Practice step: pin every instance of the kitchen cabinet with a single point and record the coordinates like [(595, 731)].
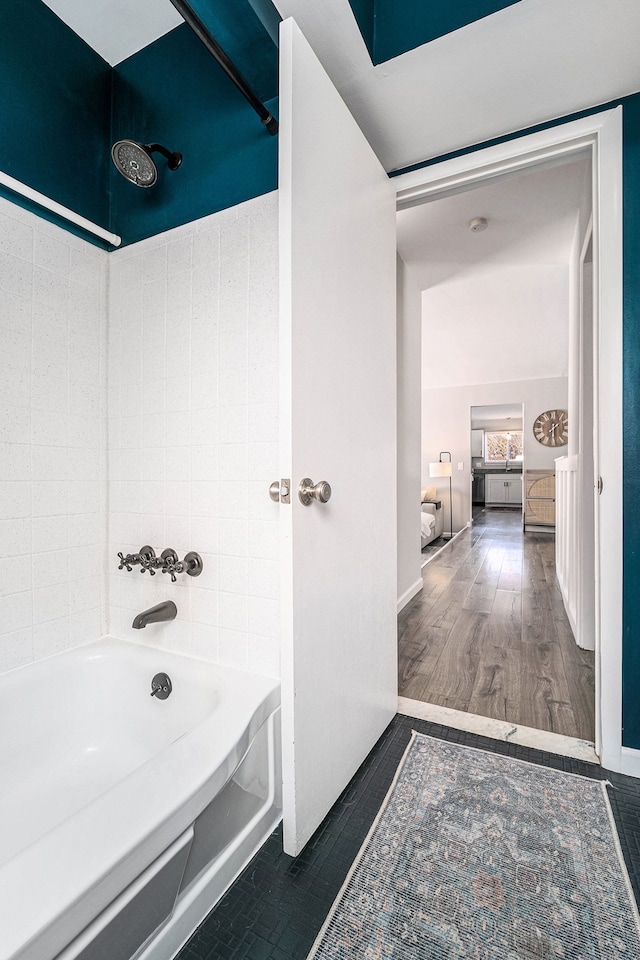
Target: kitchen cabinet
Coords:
[(503, 488), (477, 443)]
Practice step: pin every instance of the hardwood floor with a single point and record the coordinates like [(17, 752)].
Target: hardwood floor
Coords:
[(488, 633)]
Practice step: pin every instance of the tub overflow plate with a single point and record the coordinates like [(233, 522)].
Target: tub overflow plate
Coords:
[(161, 686)]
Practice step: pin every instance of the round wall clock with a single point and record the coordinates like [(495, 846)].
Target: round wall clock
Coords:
[(551, 428)]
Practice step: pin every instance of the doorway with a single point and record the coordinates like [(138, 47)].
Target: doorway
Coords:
[(552, 147), (497, 455)]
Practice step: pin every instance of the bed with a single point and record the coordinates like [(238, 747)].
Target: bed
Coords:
[(431, 523)]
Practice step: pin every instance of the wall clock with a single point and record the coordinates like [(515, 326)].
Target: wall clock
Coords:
[(551, 428)]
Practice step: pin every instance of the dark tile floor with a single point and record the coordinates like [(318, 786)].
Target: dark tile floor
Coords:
[(277, 906)]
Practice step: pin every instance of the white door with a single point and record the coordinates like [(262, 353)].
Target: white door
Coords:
[(338, 415)]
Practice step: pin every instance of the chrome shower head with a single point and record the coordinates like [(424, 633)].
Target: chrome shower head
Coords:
[(135, 163)]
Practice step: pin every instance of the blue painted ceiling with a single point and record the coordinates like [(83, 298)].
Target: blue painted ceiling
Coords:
[(392, 27)]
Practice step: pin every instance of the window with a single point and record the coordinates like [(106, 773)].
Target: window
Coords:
[(500, 447)]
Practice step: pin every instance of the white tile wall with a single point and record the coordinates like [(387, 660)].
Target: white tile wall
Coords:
[(193, 405), (52, 438)]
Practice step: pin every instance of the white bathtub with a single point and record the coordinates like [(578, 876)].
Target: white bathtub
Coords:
[(123, 818)]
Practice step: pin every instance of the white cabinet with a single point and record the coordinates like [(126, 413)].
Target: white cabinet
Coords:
[(503, 488)]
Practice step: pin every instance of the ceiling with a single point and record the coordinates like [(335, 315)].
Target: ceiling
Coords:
[(495, 412), (520, 66), (116, 29), (531, 220)]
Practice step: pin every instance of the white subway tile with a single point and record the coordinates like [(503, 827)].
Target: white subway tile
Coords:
[(15, 575), (233, 537), (152, 499), (264, 579), (260, 504), (204, 499), (204, 641), (84, 594), (84, 496), (15, 499), (179, 255), (233, 498), (49, 463), (233, 648), (204, 606), (263, 461), (50, 637), (232, 576), (263, 423), (50, 603), (16, 238), (154, 265), (204, 463), (84, 529), (204, 426), (264, 654), (233, 386), (51, 254), (52, 567), (16, 649), (233, 424), (15, 461), (233, 462), (15, 537), (49, 429), (15, 423), (265, 539), (49, 533), (16, 611), (264, 617)]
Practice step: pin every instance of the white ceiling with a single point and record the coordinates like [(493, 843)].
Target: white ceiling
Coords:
[(496, 411), (495, 304), (531, 220), (534, 60), (116, 29)]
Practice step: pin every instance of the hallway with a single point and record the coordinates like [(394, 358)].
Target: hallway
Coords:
[(488, 633)]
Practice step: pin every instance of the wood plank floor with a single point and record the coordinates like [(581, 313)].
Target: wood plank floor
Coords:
[(488, 633)]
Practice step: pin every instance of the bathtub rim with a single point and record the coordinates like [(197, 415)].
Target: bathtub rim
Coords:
[(54, 902)]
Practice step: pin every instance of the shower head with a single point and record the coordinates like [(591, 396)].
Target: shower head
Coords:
[(135, 163)]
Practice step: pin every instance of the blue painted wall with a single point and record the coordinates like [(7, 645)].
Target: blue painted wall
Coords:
[(392, 27), (54, 109), (62, 107), (630, 454), (173, 92)]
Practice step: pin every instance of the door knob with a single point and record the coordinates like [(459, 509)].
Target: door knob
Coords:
[(308, 491)]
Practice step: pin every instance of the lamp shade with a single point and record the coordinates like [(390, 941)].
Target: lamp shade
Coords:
[(441, 468)]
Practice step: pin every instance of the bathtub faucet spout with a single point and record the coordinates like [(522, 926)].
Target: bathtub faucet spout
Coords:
[(166, 610)]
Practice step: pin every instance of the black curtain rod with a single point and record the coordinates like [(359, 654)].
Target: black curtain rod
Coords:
[(227, 65)]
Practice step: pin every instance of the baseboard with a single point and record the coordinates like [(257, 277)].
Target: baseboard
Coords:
[(409, 594), (630, 761)]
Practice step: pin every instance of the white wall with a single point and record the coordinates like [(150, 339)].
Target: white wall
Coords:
[(445, 426), (491, 323), (52, 438), (193, 402), (409, 433)]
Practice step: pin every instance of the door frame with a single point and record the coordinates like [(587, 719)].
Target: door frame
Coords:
[(598, 136)]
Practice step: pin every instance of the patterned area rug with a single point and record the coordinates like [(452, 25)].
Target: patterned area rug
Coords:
[(479, 856)]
